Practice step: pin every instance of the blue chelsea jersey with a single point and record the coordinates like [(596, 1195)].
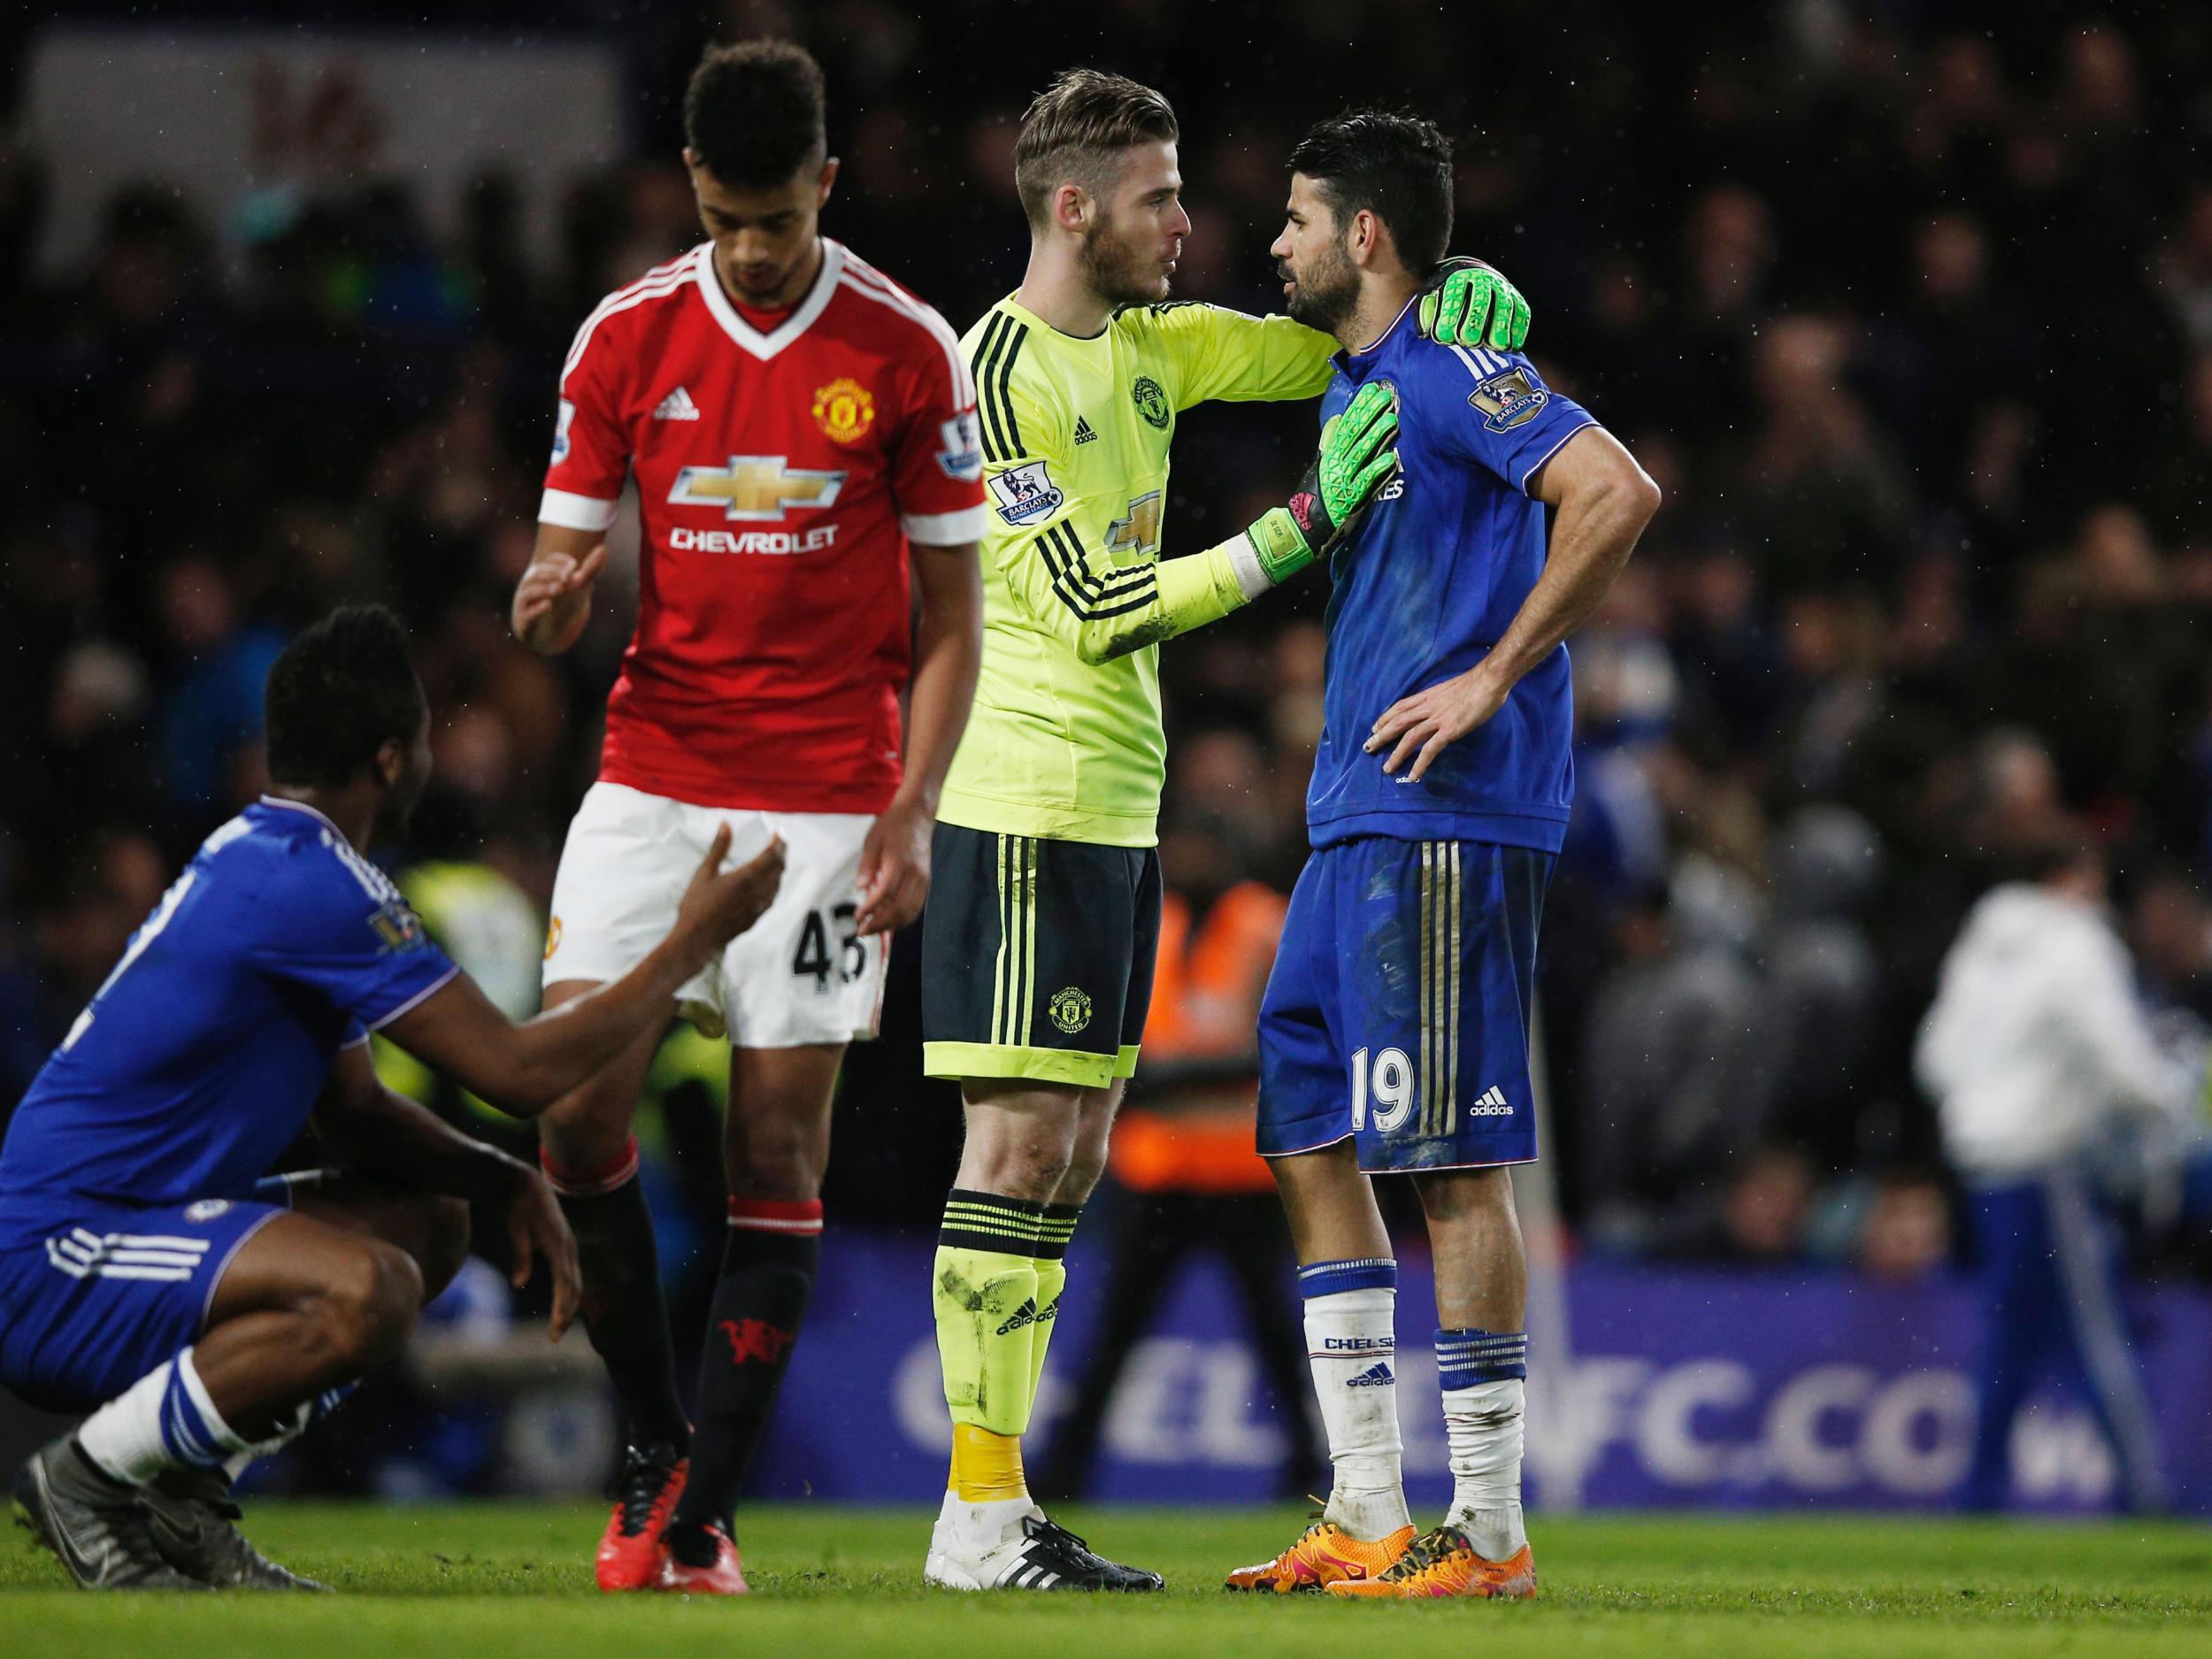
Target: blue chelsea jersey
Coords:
[(202, 1056), (1426, 586)]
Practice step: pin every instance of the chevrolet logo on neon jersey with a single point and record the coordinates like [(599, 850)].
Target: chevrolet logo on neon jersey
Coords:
[(757, 487)]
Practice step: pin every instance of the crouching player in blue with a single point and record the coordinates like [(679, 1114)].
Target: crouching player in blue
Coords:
[(1393, 1036), (148, 1272)]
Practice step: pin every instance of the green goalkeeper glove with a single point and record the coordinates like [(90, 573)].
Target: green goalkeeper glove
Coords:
[(1357, 457), (1469, 303)]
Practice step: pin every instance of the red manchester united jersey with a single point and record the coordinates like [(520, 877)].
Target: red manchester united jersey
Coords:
[(780, 479)]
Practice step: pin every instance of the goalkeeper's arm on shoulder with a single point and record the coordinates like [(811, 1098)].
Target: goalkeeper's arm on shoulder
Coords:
[(1101, 611), (1105, 612)]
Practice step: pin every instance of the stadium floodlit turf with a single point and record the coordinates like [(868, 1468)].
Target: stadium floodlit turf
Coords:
[(516, 1580)]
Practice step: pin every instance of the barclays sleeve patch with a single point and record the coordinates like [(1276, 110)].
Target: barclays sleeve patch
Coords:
[(960, 447), (1025, 494), (398, 927), (1508, 400)]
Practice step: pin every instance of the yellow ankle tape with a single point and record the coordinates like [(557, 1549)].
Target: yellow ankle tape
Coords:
[(986, 1466)]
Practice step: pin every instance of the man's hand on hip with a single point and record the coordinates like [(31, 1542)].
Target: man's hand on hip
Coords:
[(1430, 721)]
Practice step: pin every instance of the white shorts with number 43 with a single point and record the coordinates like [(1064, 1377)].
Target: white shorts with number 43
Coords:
[(798, 975)]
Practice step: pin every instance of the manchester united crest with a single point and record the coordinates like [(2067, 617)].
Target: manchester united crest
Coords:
[(1151, 401), (844, 409)]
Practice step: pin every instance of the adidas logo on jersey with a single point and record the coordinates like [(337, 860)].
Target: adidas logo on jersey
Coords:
[(1492, 1104), (1027, 1314), (677, 406), (1083, 432), (1376, 1376)]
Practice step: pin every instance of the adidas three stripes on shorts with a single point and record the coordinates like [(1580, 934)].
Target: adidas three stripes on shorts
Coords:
[(1397, 1013), (1037, 956), (95, 1294)]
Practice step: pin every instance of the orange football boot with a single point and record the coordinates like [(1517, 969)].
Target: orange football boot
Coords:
[(630, 1549), (1324, 1554), (725, 1575), (1444, 1563)]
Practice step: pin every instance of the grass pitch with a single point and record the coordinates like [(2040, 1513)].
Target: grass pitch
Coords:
[(516, 1580)]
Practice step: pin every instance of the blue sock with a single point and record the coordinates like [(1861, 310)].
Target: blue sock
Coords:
[(1465, 1358)]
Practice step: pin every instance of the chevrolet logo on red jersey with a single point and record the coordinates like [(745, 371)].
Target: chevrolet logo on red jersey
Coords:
[(757, 487)]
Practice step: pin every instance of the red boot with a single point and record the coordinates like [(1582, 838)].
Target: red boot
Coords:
[(724, 1576), (630, 1549)]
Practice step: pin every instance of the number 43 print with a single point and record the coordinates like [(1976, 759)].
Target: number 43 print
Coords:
[(813, 954)]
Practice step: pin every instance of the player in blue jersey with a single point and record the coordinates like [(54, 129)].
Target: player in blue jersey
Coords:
[(1393, 1036), (148, 1270)]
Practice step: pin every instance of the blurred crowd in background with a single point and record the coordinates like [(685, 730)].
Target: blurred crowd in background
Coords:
[(1911, 319)]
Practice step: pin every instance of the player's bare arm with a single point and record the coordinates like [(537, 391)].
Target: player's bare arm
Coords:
[(947, 652), (522, 1068), (376, 1132), (1603, 500), (552, 602)]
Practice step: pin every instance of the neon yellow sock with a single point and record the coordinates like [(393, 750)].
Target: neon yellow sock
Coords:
[(1052, 1278), (984, 1295), (1055, 1229)]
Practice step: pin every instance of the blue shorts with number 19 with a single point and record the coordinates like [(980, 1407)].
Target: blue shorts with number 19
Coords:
[(1397, 1014)]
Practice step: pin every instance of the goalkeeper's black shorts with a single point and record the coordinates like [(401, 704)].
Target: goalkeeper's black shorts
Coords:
[(1037, 956)]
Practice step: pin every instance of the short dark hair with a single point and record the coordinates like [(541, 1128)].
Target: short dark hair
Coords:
[(336, 695), (1073, 130), (753, 113), (1393, 163)]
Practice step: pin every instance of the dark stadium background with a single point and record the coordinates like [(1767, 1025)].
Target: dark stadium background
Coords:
[(1908, 309)]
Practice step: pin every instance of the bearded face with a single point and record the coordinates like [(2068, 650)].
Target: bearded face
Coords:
[(1129, 248), (1322, 290), (1123, 263)]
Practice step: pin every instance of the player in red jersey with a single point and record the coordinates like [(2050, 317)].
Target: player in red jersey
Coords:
[(801, 432)]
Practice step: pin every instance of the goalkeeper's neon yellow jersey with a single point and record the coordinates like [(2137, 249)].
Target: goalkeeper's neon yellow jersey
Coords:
[(1065, 740)]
